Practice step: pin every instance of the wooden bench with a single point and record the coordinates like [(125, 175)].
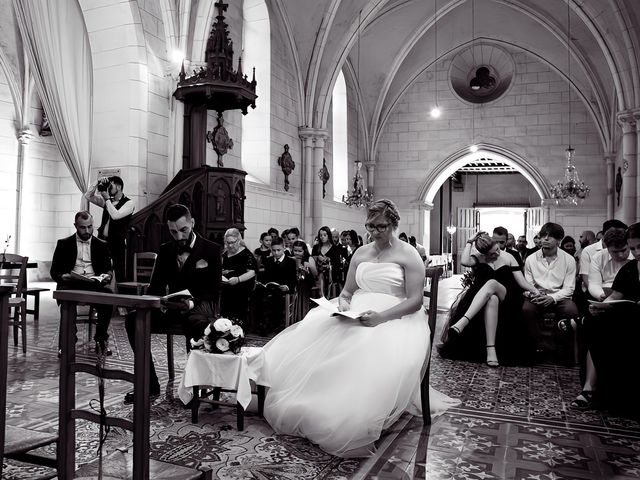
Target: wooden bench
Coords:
[(35, 292)]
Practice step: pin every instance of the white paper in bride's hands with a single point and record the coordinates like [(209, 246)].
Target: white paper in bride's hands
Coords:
[(333, 308)]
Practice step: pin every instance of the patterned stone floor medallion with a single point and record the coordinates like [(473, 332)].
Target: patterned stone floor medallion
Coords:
[(513, 423)]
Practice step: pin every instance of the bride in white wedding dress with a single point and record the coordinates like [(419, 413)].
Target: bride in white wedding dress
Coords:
[(340, 382)]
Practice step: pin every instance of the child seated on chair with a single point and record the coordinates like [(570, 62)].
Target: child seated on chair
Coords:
[(278, 279)]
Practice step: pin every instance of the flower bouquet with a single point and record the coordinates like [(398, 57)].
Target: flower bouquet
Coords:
[(467, 279), (222, 335)]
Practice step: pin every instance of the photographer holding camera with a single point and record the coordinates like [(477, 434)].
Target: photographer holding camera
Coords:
[(107, 193)]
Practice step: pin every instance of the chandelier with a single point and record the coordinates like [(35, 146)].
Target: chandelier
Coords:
[(572, 190), (359, 196)]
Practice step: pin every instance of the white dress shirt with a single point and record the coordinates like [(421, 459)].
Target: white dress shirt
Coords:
[(83, 265), (557, 278), (603, 271), (587, 254)]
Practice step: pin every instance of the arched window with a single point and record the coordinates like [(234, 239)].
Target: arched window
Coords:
[(256, 125), (339, 135)]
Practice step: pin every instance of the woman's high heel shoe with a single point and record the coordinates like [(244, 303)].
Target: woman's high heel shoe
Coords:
[(455, 330), (491, 362)]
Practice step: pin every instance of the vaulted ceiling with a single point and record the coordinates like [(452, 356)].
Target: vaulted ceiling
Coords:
[(383, 45)]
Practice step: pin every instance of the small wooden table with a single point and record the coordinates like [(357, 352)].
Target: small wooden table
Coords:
[(223, 373)]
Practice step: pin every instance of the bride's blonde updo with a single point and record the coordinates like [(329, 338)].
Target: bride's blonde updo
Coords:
[(385, 208)]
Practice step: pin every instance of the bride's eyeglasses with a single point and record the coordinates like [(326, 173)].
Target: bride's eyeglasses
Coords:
[(380, 227)]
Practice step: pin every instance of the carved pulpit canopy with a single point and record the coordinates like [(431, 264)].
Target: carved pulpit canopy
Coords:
[(218, 86)]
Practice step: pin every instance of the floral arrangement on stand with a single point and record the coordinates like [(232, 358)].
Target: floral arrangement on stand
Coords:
[(222, 335)]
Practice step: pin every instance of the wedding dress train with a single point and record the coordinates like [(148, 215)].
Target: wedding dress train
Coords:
[(339, 383)]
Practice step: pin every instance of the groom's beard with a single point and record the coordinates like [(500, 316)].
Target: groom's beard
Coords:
[(184, 245)]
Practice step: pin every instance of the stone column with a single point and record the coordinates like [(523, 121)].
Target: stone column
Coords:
[(24, 136), (636, 117), (313, 141), (609, 160), (370, 166), (424, 225), (629, 166)]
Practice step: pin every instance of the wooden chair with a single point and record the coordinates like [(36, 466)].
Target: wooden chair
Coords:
[(16, 443), (15, 275), (431, 292), (143, 264)]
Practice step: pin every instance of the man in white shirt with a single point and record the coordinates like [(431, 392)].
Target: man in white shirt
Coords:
[(117, 210), (589, 251), (606, 263), (553, 272)]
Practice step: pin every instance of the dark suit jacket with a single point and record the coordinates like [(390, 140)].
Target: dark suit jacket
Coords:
[(64, 257), (283, 272), (202, 282), (517, 256)]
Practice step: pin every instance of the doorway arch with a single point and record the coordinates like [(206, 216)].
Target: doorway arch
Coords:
[(438, 175)]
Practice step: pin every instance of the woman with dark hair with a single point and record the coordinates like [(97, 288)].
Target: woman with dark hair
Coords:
[(496, 291), (328, 259), (568, 244), (339, 381), (307, 274), (613, 332)]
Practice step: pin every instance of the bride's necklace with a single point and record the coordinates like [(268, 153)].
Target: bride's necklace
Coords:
[(380, 251)]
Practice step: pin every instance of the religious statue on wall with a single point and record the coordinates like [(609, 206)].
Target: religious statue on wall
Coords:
[(287, 165), (324, 176), (618, 184), (219, 138)]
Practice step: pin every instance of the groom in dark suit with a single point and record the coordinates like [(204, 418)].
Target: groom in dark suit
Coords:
[(188, 262), (83, 255)]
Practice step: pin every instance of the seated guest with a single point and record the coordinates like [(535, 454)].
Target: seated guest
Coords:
[(553, 272), (568, 244), (492, 300), (511, 241), (599, 235), (536, 245), (307, 275), (273, 232), (521, 249), (605, 265), (264, 250), (75, 260), (421, 250), (586, 238), (187, 262), (501, 236), (239, 270), (278, 278), (613, 332), (328, 259), (590, 251)]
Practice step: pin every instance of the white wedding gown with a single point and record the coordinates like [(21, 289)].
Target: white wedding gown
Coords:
[(339, 383)]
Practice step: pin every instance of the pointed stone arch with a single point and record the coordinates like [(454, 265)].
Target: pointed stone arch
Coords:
[(457, 159)]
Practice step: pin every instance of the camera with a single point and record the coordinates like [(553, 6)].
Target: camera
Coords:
[(103, 184)]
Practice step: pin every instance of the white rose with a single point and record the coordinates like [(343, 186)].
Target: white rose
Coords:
[(207, 331), (222, 345), (236, 331), (196, 344), (222, 324)]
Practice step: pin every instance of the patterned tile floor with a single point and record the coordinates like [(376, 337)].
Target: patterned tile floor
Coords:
[(513, 423)]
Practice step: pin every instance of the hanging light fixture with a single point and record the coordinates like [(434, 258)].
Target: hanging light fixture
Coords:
[(435, 111), (473, 148), (359, 196), (572, 191)]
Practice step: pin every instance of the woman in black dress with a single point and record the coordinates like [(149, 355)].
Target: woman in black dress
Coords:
[(239, 272), (496, 290), (328, 259)]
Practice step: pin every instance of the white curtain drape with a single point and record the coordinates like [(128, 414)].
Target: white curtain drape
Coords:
[(56, 42)]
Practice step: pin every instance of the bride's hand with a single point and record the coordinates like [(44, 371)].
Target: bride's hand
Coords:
[(371, 318), (343, 304)]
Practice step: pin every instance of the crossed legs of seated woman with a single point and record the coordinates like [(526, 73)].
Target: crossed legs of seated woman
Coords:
[(584, 400), (488, 298)]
